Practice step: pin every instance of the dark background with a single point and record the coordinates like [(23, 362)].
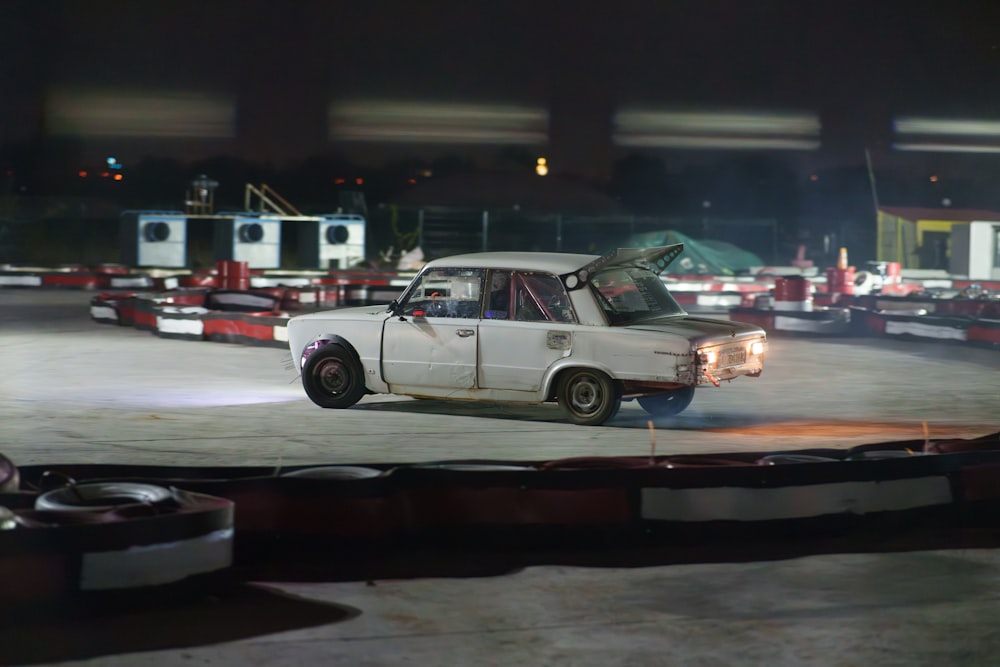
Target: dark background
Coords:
[(856, 65)]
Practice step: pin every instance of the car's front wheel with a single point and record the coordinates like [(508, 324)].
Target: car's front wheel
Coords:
[(588, 397), (333, 378), (669, 403)]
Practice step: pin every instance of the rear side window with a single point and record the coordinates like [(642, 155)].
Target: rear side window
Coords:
[(632, 294), (528, 297)]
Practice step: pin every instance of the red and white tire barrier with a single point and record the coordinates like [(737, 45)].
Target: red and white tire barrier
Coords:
[(820, 320), (101, 538), (679, 499), (181, 322)]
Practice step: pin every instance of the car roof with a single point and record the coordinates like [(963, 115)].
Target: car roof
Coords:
[(551, 262)]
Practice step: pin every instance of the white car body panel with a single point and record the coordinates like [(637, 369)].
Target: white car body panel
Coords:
[(516, 355), (429, 352)]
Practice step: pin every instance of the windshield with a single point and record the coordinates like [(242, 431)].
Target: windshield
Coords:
[(633, 294)]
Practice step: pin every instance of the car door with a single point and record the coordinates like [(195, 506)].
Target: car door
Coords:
[(433, 343), (528, 327)]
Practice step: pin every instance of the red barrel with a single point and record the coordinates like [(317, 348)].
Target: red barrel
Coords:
[(239, 275), (222, 274), (840, 281), (792, 293), (233, 275)]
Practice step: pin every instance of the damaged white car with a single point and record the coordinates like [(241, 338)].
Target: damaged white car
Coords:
[(585, 331)]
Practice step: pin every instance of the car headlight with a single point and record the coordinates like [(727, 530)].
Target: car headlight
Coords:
[(757, 347), (708, 357)]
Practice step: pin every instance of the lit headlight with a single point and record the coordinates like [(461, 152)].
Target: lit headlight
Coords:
[(757, 347), (708, 356)]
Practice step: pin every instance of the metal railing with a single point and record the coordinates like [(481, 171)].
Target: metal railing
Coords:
[(268, 197)]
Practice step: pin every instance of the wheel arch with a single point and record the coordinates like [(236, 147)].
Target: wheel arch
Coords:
[(328, 339), (551, 381)]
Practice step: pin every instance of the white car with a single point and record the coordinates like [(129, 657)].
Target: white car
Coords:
[(583, 330)]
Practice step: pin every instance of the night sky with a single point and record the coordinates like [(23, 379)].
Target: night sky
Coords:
[(856, 64)]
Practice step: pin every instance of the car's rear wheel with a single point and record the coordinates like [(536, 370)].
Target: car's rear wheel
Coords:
[(333, 378), (588, 397), (669, 403)]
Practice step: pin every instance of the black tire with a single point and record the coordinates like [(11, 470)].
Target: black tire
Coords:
[(667, 404), (333, 378), (9, 477), (588, 397), (104, 496)]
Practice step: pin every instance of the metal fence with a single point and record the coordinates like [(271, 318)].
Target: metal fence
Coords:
[(441, 231)]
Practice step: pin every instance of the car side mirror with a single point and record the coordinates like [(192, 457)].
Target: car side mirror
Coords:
[(396, 309)]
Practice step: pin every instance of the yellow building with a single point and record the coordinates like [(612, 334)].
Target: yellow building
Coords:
[(920, 238)]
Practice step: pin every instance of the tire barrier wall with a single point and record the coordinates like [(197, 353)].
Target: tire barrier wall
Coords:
[(579, 503), (960, 318), (98, 541), (260, 316), (117, 276), (748, 300), (105, 531)]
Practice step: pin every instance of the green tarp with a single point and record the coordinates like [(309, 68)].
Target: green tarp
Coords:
[(699, 257)]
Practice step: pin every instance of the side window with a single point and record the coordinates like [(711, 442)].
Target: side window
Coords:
[(540, 297), (445, 292)]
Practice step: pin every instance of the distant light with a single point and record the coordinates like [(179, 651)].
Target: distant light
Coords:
[(716, 143), (813, 177), (933, 178), (359, 181), (427, 173), (541, 166), (946, 148), (946, 135), (713, 130), (82, 173), (105, 174), (947, 126), (436, 123), (946, 202), (111, 161), (411, 181), (118, 177), (139, 113), (339, 181)]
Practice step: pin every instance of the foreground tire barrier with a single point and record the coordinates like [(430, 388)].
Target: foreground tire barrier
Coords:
[(105, 496), (10, 480), (97, 542), (820, 499)]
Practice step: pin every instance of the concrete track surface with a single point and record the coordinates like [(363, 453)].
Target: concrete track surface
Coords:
[(74, 391)]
